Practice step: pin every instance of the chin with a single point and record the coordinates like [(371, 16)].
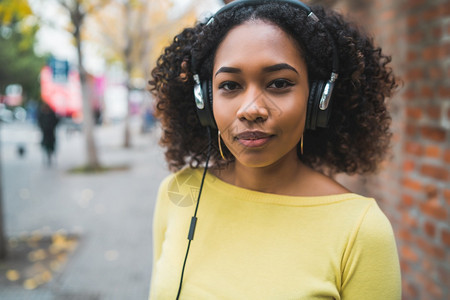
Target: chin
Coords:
[(255, 162)]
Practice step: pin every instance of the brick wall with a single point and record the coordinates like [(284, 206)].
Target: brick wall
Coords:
[(413, 187)]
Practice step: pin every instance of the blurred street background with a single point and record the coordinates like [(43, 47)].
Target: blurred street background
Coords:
[(80, 163), (108, 214)]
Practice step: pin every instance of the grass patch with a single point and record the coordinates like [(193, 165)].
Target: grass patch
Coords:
[(97, 170)]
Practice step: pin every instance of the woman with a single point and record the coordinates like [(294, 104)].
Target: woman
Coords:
[(296, 96)]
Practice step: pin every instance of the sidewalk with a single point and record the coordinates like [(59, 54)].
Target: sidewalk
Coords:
[(109, 213)]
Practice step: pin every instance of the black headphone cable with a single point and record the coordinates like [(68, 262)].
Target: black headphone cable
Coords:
[(194, 217)]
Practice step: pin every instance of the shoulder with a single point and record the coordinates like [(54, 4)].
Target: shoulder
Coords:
[(314, 183), (375, 226), (180, 187), (372, 232), (183, 176)]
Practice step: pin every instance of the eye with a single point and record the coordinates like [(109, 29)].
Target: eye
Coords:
[(229, 86), (280, 84)]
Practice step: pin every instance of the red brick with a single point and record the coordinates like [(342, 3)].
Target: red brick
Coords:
[(437, 32), (444, 92), (443, 275), (415, 74), (432, 14), (420, 279), (411, 130), (445, 51), (414, 148), (427, 265), (430, 249), (429, 287), (411, 56), (412, 21), (445, 234), (412, 184), (433, 209), (415, 37), (410, 93), (409, 290), (410, 4), (435, 172), (433, 133), (413, 113), (433, 151), (434, 112), (426, 92), (407, 200), (431, 191), (408, 165), (431, 53), (447, 196), (410, 222), (409, 254), (430, 229), (435, 73), (434, 289), (406, 235), (445, 10), (447, 156), (387, 15)]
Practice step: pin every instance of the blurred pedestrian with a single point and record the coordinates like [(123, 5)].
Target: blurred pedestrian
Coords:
[(47, 121)]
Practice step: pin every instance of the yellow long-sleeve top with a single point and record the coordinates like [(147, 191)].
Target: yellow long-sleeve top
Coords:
[(253, 245)]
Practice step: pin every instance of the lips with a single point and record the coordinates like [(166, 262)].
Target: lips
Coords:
[(253, 138)]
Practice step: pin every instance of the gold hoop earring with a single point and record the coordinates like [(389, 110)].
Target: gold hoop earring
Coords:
[(301, 145), (220, 146)]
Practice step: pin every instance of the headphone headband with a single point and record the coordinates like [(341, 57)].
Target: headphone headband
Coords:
[(296, 3), (259, 2)]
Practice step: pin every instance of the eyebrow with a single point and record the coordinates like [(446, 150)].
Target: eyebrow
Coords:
[(279, 67), (228, 70), (274, 68)]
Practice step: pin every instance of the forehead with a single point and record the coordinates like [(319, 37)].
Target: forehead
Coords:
[(257, 39)]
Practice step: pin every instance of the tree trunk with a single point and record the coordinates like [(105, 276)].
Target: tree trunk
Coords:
[(88, 115), (127, 134), (3, 242), (128, 68)]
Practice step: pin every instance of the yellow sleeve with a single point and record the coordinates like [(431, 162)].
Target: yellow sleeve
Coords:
[(159, 224), (371, 268)]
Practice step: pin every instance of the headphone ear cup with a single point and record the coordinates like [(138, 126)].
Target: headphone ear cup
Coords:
[(208, 93), (313, 104), (207, 114), (315, 117)]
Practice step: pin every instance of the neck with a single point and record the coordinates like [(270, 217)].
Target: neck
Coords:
[(276, 178)]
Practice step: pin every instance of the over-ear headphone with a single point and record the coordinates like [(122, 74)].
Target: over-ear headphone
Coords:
[(318, 108)]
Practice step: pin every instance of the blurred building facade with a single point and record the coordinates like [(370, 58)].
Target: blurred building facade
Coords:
[(413, 187)]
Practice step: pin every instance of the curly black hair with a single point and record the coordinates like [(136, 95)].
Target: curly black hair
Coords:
[(358, 134)]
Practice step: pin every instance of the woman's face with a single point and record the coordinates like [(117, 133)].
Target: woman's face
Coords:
[(260, 92)]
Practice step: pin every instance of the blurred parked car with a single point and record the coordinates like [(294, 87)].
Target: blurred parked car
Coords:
[(20, 113), (6, 115)]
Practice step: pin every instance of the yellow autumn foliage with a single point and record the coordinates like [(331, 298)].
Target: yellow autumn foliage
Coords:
[(13, 9)]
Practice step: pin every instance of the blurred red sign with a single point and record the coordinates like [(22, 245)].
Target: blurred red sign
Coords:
[(64, 98)]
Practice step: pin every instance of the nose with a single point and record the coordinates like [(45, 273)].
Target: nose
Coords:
[(253, 108)]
